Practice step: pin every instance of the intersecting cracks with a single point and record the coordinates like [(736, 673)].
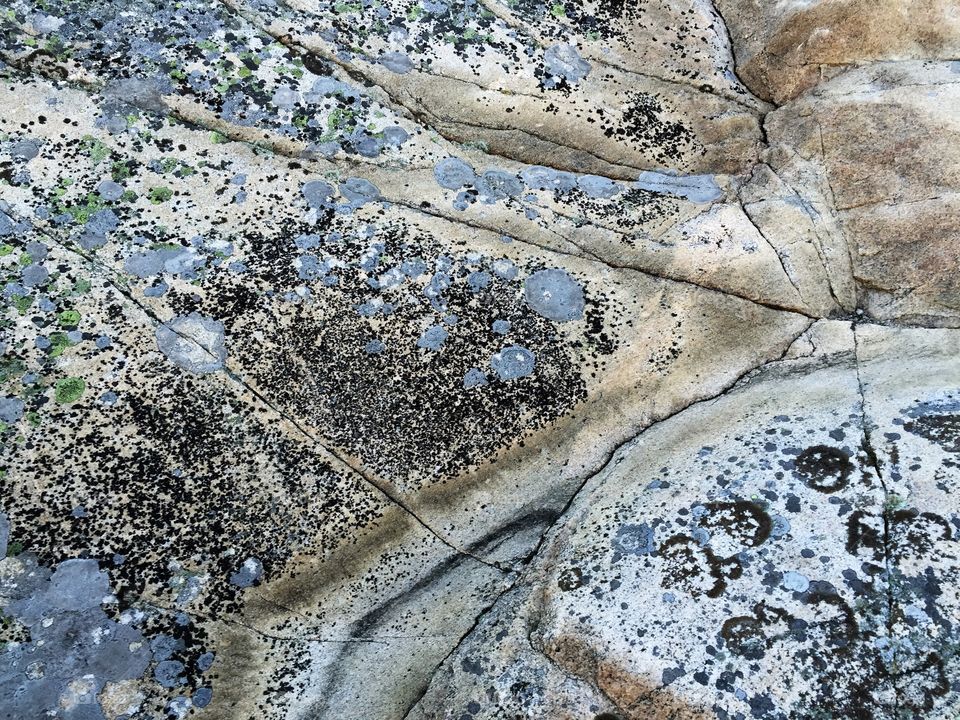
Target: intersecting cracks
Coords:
[(615, 162), (581, 252), (593, 682), (584, 254), (780, 256), (436, 121), (403, 100), (410, 107), (724, 32), (816, 219), (818, 245), (473, 626)]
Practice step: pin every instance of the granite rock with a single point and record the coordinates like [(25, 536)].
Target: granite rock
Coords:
[(478, 359)]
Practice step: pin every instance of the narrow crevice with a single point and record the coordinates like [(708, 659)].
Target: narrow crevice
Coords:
[(280, 145), (775, 249), (431, 122), (735, 64), (302, 639), (594, 683), (428, 681), (420, 114), (583, 254), (891, 202), (633, 169), (816, 220), (612, 454), (889, 557), (519, 24)]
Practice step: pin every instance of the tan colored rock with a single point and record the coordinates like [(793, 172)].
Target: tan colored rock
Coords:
[(353, 579), (493, 83), (121, 699), (801, 226), (784, 48), (282, 319), (862, 144), (439, 359)]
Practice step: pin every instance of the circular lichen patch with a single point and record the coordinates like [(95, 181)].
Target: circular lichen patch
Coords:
[(69, 318), (69, 389)]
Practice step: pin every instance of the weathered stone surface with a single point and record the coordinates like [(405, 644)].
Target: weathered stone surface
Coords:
[(715, 575), (483, 72), (303, 291), (857, 144), (786, 47), (476, 359)]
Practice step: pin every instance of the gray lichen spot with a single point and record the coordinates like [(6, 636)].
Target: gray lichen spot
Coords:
[(504, 268), (563, 61), (6, 225), (317, 193), (478, 280), (194, 342), (795, 581), (24, 150), (153, 262), (11, 409), (36, 250), (249, 572), (169, 673), (202, 697), (554, 294), (285, 97), (635, 540), (433, 337), (498, 185), (374, 347), (453, 173), (474, 377), (34, 276), (538, 177), (205, 661), (695, 188), (358, 191), (395, 136), (514, 361), (74, 647), (109, 190), (597, 186), (139, 93), (397, 62), (4, 533)]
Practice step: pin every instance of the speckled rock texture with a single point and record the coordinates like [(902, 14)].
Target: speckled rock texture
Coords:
[(463, 359)]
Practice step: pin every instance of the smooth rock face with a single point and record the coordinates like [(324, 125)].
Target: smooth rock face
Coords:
[(479, 360)]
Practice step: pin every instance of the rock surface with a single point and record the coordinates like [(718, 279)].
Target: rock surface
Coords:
[(413, 359)]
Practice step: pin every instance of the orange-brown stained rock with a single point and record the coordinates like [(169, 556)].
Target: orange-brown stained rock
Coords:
[(784, 48)]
